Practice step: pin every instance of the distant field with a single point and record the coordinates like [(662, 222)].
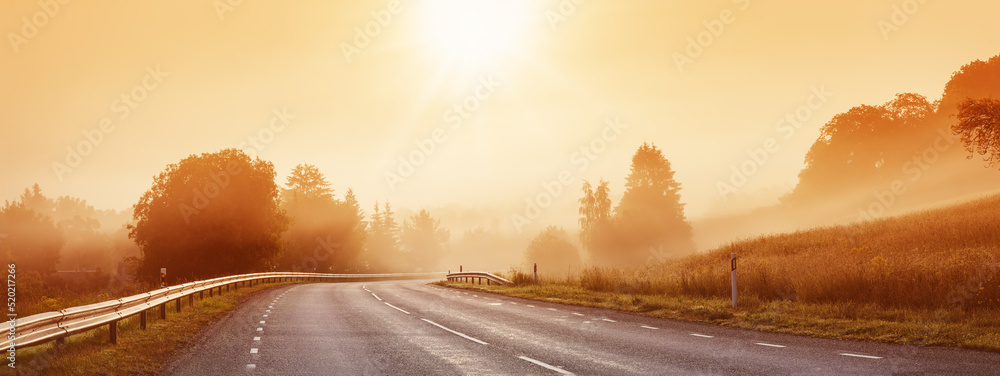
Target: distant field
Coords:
[(931, 277)]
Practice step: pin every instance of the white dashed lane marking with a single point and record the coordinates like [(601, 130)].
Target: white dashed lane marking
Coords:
[(861, 356), (701, 335), (768, 344), (548, 366), (456, 333), (397, 308)]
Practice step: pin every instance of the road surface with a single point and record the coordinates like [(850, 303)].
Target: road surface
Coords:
[(412, 328)]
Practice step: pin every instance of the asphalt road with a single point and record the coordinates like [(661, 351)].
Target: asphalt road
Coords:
[(411, 328)]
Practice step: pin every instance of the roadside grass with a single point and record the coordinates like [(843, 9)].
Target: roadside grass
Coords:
[(979, 329), (930, 277), (137, 352)]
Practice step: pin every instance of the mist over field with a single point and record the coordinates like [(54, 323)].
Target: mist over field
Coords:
[(403, 136)]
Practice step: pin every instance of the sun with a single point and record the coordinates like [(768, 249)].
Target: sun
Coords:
[(475, 31)]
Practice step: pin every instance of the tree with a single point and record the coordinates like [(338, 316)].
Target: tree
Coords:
[(382, 251), (355, 229), (977, 79), (979, 128), (424, 241), (650, 216), (865, 146), (596, 222), (319, 224), (209, 215), (34, 200), (553, 251), (29, 239), (306, 185)]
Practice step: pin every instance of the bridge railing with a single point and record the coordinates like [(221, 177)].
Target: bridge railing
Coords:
[(480, 277), (44, 327)]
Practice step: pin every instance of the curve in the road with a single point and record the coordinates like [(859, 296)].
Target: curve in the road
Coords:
[(408, 327)]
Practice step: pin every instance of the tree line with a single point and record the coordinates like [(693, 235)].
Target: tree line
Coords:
[(223, 213)]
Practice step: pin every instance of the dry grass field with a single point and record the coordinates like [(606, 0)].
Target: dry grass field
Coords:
[(931, 277)]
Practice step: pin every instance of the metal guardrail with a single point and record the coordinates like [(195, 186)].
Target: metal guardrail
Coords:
[(480, 276), (45, 327)]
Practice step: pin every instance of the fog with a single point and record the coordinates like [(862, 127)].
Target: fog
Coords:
[(494, 126)]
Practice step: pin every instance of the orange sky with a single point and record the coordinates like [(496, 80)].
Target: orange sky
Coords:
[(554, 77)]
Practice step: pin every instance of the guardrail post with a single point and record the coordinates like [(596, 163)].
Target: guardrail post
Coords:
[(191, 300), (142, 320), (113, 330), (201, 295), (178, 301), (210, 292), (163, 311)]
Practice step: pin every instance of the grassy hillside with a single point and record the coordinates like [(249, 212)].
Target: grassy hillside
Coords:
[(931, 259), (931, 277)]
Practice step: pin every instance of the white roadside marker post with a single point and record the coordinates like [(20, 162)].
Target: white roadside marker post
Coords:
[(732, 258)]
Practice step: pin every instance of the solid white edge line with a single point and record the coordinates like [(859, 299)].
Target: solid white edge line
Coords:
[(542, 364), (861, 356), (768, 344), (376, 297), (701, 335), (399, 309), (648, 327), (455, 333)]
